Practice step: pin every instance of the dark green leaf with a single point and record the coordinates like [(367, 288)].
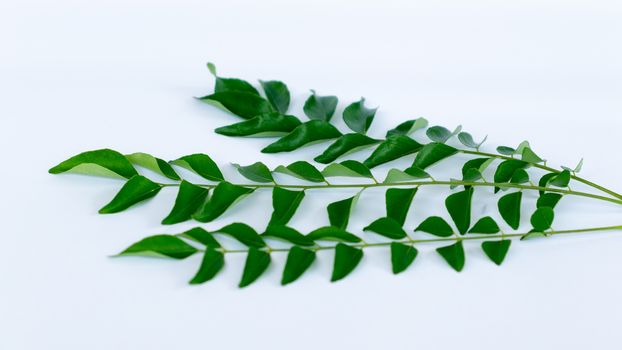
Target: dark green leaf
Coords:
[(548, 200), (277, 94), (392, 148), (244, 234), (350, 168), (408, 127), (257, 172), (212, 263), (161, 246), (302, 170), (102, 162), (331, 233), (467, 139), (288, 234), (398, 202), (257, 261), (441, 134), (454, 255), (202, 165), (485, 225), (435, 225), (506, 169), (357, 117), (154, 164), (432, 153), (505, 150), (189, 199), (387, 227), (284, 202), (528, 155), (230, 84), (409, 174), (339, 212), (344, 145), (561, 180), (135, 190), (298, 261), (270, 124), (198, 234), (225, 194), (544, 181), (496, 250), (459, 207), (472, 170), (243, 104), (520, 176), (311, 131), (346, 260), (542, 219), (402, 256), (320, 107), (509, 208)]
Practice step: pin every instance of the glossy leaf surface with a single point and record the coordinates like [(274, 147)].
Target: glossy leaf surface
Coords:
[(346, 260), (102, 162), (224, 195), (311, 131), (135, 190), (344, 145), (189, 199)]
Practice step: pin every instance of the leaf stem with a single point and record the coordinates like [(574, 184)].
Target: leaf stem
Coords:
[(426, 183)]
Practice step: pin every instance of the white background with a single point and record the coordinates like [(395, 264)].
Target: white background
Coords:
[(80, 75)]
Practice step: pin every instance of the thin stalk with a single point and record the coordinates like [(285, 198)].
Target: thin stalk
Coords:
[(549, 169), (446, 239), (425, 183)]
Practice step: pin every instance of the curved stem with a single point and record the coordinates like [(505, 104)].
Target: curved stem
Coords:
[(426, 183), (549, 169), (449, 239)]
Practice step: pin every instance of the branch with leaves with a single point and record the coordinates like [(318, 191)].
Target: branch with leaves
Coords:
[(509, 174)]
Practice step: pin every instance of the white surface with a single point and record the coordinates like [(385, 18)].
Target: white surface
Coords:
[(121, 74)]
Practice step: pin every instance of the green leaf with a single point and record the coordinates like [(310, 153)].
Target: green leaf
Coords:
[(496, 250), (357, 117), (244, 234), (467, 139), (506, 170), (441, 134), (398, 201), (350, 168), (277, 94), (287, 234), (202, 165), (212, 263), (409, 174), (576, 169), (392, 148), (408, 127), (163, 246), (509, 208), (521, 147), (454, 255), (472, 170), (532, 235), (269, 124), (459, 207), (346, 260), (331, 233), (135, 190), (298, 261), (189, 199), (485, 225), (520, 176), (199, 234), (544, 180), (320, 107), (542, 219), (311, 131), (548, 200), (435, 225), (302, 170), (225, 194), (154, 164), (257, 172), (505, 150), (102, 162), (345, 144), (432, 153), (387, 227), (528, 155), (284, 202), (257, 261), (245, 105), (339, 212), (402, 256), (230, 84), (561, 180)]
